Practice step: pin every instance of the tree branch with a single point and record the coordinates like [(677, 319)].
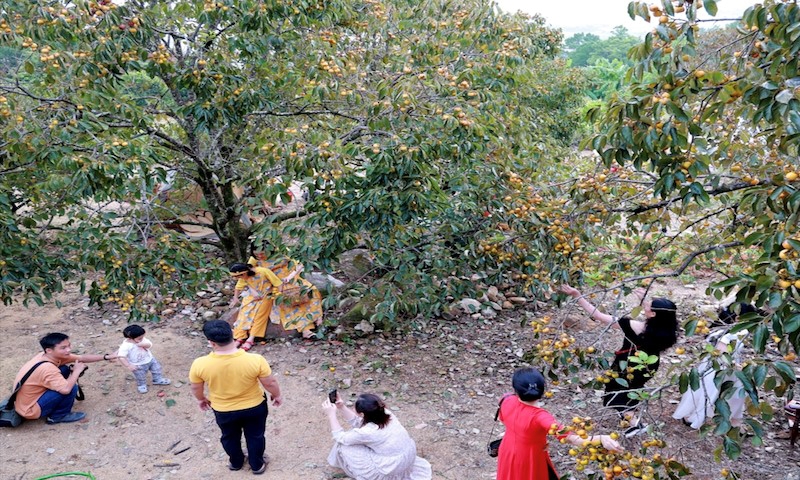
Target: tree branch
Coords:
[(731, 187), (303, 111), (686, 262)]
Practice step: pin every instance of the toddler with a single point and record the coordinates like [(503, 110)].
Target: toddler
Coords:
[(135, 354)]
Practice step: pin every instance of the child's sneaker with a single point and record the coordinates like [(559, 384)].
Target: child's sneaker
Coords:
[(142, 388), (161, 381)]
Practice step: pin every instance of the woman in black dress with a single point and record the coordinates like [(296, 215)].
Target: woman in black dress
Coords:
[(658, 332)]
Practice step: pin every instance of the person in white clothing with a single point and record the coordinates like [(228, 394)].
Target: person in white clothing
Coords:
[(698, 405), (377, 447), (135, 355)]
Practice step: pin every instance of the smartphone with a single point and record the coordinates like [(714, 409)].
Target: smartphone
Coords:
[(333, 395)]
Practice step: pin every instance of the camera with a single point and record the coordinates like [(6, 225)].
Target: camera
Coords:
[(333, 395), (72, 367)]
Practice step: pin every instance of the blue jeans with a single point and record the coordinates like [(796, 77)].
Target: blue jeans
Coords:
[(55, 405), (250, 421)]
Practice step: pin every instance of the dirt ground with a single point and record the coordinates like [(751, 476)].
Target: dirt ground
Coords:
[(442, 382)]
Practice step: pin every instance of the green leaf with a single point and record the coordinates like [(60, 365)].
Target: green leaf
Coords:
[(694, 379), (169, 402), (786, 372), (711, 7), (791, 324), (731, 448)]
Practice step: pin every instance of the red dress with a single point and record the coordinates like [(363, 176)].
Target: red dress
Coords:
[(523, 451)]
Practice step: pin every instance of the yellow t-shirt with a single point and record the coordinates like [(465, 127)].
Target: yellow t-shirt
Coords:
[(232, 379)]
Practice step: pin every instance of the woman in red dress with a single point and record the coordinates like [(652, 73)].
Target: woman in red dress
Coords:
[(523, 452)]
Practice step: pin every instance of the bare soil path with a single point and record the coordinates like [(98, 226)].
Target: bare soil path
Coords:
[(443, 383)]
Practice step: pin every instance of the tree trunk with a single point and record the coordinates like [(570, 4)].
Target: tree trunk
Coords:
[(234, 237)]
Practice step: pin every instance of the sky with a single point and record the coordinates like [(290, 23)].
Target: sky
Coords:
[(601, 16)]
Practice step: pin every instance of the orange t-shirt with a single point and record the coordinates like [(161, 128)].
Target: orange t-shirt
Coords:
[(46, 377)]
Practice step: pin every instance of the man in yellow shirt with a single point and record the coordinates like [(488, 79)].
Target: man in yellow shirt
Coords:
[(235, 379)]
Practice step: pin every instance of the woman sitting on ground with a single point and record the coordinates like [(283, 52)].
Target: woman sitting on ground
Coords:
[(377, 447), (658, 332)]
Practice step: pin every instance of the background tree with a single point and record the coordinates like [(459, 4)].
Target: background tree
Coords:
[(701, 155), (407, 122), (584, 49)]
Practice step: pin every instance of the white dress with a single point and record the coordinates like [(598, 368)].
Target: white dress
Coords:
[(698, 405), (372, 453)]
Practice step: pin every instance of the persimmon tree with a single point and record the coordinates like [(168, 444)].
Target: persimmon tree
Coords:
[(697, 164), (408, 124)]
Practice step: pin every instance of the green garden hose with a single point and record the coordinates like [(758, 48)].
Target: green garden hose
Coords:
[(68, 474)]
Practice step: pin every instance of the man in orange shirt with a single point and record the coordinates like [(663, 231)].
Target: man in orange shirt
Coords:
[(51, 389)]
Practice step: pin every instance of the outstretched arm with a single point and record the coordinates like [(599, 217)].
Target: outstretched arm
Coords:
[(605, 440), (590, 309)]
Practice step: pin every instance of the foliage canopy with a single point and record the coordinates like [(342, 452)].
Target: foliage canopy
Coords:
[(405, 122)]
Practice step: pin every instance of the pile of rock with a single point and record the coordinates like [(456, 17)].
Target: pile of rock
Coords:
[(491, 302)]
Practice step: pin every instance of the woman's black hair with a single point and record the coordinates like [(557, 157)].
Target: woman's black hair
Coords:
[(662, 329), (528, 384), (242, 267), (729, 314), (373, 409)]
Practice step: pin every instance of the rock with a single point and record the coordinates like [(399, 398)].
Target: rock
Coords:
[(362, 310), (323, 282), (518, 300), (355, 263), (348, 303), (495, 306), (187, 311), (708, 310), (168, 311), (508, 305), (365, 327), (488, 313), (470, 305), (202, 294), (209, 315), (51, 450), (493, 293)]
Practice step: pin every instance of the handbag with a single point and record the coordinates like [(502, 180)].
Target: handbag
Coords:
[(8, 415), (493, 447)]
